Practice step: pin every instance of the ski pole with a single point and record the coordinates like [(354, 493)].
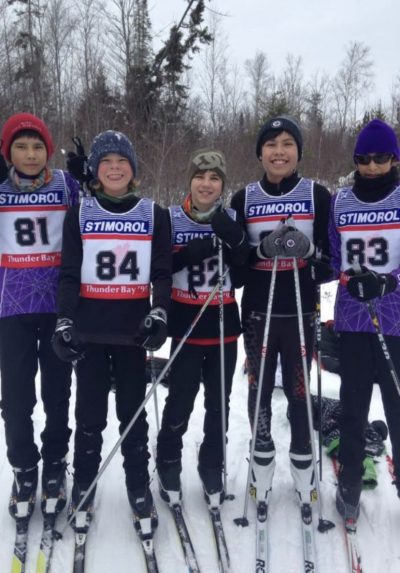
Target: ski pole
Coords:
[(59, 534), (243, 521), (324, 524), (318, 338), (319, 377), (222, 359), (378, 330), (153, 380)]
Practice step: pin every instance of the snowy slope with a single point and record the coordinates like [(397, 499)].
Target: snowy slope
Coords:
[(113, 546)]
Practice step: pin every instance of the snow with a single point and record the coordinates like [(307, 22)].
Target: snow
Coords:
[(112, 543)]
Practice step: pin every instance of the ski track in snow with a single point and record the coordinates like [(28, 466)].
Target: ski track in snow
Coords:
[(113, 546)]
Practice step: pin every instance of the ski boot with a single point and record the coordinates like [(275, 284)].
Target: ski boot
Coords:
[(262, 473), (54, 493), (212, 485), (301, 468), (348, 496), (170, 482), (23, 493), (83, 517), (144, 511)]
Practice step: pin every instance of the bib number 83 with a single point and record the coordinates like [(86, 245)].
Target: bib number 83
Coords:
[(356, 251)]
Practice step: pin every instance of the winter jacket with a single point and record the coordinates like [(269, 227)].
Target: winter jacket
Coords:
[(113, 320), (30, 243), (257, 282), (371, 211)]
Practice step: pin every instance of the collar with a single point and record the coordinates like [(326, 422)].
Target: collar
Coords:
[(373, 190), (281, 188), (200, 216)]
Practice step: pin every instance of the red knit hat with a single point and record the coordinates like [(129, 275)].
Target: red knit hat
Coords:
[(20, 122)]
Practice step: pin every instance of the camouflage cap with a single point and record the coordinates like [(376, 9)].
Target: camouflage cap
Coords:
[(207, 159)]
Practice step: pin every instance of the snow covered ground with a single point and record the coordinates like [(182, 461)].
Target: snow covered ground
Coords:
[(113, 547)]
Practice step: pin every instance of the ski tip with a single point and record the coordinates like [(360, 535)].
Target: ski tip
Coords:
[(16, 565), (325, 525), (241, 521), (41, 565)]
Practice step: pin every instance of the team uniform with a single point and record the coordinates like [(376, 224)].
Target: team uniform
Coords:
[(365, 225), (112, 252), (199, 358), (260, 207), (30, 243)]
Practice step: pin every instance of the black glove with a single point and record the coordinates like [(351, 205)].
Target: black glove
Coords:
[(199, 249), (296, 244), (3, 169), (154, 329), (65, 341), (368, 284), (228, 230), (321, 270), (271, 245), (77, 163)]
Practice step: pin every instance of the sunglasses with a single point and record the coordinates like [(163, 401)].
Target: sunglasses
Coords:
[(378, 158)]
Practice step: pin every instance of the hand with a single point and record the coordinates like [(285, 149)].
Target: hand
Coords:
[(65, 341), (321, 271), (77, 167), (296, 244), (77, 163), (368, 284), (3, 169), (199, 249), (154, 329), (228, 230), (271, 245)]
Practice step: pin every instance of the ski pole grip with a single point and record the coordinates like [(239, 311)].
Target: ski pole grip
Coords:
[(356, 266)]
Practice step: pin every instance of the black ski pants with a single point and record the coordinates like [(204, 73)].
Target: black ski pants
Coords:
[(102, 366), (193, 365), (25, 345), (362, 363), (283, 340)]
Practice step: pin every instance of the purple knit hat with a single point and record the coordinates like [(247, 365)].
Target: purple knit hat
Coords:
[(377, 137)]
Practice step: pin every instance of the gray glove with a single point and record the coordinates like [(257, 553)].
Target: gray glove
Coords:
[(272, 244), (296, 244)]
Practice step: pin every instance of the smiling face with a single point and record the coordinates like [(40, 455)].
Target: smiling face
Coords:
[(279, 157), (115, 173), (28, 155), (205, 188)]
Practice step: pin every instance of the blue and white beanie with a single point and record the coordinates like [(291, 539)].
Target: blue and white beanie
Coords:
[(111, 142)]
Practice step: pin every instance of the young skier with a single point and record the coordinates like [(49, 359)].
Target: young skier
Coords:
[(33, 203), (195, 268), (261, 206), (364, 232), (115, 245)]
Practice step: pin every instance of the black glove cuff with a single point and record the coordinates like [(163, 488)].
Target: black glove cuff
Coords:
[(159, 313)]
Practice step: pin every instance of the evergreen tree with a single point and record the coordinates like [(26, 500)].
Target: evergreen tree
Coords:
[(30, 62)]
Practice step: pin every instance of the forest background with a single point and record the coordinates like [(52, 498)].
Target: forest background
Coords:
[(92, 65)]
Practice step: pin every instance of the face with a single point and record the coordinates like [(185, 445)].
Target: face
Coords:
[(115, 173), (205, 188), (28, 155), (373, 170), (279, 157)]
